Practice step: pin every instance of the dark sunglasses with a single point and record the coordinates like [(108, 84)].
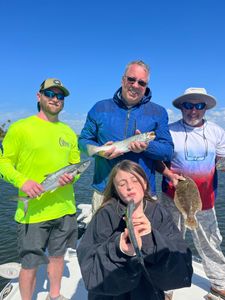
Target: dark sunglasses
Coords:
[(133, 80), (51, 94), (198, 106)]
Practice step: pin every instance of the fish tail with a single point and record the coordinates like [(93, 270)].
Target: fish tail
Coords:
[(91, 149), (191, 223), (25, 201), (25, 207)]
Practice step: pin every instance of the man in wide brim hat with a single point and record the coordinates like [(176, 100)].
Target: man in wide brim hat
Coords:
[(198, 94), (198, 143)]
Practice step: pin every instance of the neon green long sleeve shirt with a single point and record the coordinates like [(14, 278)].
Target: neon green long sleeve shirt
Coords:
[(32, 149)]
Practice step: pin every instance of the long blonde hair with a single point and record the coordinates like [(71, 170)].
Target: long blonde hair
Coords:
[(132, 168)]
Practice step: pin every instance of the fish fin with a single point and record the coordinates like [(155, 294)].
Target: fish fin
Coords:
[(25, 200), (101, 153), (46, 175), (25, 207), (191, 223)]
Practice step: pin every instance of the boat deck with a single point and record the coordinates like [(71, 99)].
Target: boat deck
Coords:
[(73, 285)]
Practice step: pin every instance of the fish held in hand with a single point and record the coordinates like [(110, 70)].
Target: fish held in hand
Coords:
[(123, 145), (130, 226), (51, 182), (188, 201)]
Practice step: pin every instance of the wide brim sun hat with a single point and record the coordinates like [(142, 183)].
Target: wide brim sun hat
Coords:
[(195, 94)]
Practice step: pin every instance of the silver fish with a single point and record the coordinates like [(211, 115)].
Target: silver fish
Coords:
[(220, 164), (132, 237), (123, 146), (188, 201), (130, 227), (51, 182)]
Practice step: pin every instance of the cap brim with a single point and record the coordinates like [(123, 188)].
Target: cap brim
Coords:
[(210, 101), (65, 91)]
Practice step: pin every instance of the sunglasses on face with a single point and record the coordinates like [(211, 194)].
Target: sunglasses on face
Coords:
[(50, 94), (189, 106), (133, 80)]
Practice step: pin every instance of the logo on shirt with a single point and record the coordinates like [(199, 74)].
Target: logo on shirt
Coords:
[(63, 143)]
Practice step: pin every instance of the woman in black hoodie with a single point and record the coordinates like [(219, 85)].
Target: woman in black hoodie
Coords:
[(109, 265)]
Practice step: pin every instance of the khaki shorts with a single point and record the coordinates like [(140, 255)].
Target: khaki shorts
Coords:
[(55, 235)]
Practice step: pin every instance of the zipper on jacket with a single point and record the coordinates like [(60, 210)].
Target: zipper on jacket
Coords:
[(127, 123)]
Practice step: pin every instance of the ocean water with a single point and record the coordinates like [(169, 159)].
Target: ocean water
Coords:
[(83, 191)]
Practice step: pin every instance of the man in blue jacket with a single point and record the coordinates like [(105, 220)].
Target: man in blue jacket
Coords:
[(129, 112)]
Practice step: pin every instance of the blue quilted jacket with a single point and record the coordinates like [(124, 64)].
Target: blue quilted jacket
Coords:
[(111, 120)]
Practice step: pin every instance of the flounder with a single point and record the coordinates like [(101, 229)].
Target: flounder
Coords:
[(188, 201)]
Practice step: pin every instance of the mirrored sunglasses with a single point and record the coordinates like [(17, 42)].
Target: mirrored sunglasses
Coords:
[(51, 94), (133, 80), (198, 106)]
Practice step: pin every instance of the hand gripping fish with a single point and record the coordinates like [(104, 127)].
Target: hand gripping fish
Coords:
[(123, 146), (133, 240), (188, 201), (51, 182)]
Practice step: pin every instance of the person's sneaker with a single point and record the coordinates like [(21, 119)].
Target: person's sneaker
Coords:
[(218, 293), (169, 296), (60, 297)]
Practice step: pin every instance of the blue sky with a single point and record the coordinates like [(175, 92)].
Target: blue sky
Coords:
[(87, 45)]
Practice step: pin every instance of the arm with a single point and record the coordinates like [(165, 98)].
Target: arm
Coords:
[(162, 147), (89, 135), (163, 168), (11, 146), (9, 158), (104, 267)]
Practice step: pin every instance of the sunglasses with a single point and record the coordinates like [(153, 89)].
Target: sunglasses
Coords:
[(51, 94), (198, 106), (133, 80)]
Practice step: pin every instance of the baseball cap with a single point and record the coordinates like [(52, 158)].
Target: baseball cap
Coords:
[(53, 82)]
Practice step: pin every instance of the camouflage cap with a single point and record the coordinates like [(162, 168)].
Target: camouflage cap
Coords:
[(53, 82)]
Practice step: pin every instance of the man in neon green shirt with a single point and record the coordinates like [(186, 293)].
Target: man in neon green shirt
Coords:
[(32, 148)]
